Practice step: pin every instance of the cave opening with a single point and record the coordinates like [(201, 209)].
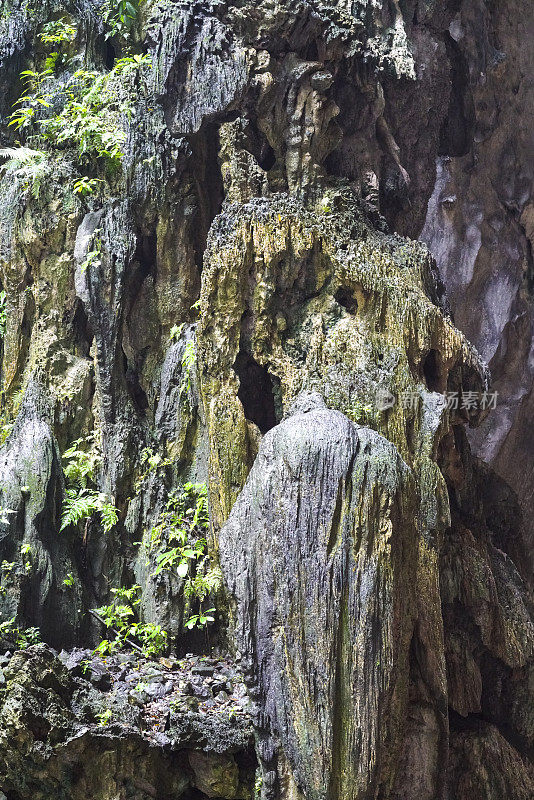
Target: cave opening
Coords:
[(109, 54), (256, 392), (345, 297), (432, 371), (266, 157)]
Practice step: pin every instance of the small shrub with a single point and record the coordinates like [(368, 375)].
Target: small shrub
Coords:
[(69, 580), (119, 17), (85, 186), (57, 32), (180, 537), (120, 618), (22, 638), (104, 717)]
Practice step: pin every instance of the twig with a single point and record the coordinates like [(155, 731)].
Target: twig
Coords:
[(99, 618)]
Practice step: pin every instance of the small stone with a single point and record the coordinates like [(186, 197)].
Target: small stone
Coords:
[(203, 669)]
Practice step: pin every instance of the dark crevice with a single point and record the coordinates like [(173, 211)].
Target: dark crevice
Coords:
[(266, 158), (135, 390), (335, 528), (457, 130), (209, 187), (109, 54), (432, 372), (256, 392), (346, 298), (81, 329), (144, 263)]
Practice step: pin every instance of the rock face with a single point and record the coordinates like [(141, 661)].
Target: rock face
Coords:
[(324, 592), (58, 740), (210, 274)]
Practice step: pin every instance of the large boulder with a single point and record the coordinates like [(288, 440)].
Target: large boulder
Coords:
[(319, 556)]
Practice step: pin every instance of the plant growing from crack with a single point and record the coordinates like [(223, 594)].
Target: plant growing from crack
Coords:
[(120, 617), (180, 538), (22, 638), (82, 500)]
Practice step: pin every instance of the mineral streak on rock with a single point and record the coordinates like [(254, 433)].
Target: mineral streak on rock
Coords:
[(210, 274)]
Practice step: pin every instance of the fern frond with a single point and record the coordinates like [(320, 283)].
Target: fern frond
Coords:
[(77, 506), (109, 516), (17, 157)]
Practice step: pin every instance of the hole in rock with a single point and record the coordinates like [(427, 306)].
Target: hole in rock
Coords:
[(81, 329), (266, 158), (346, 298), (208, 186), (457, 129), (193, 794), (109, 55), (432, 372), (135, 389), (256, 392)]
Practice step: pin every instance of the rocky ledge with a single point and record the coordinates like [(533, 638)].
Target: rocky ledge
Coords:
[(75, 725)]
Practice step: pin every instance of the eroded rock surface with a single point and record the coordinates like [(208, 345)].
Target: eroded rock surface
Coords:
[(88, 728)]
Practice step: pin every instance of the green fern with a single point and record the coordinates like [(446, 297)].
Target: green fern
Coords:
[(80, 466), (26, 165), (108, 516), (77, 505), (80, 504)]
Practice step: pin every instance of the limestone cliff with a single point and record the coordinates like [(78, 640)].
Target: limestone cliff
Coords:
[(266, 322)]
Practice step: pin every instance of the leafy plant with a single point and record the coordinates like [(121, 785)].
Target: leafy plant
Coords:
[(180, 538), (81, 464), (92, 257), (104, 717), (201, 619), (69, 580), (81, 500), (28, 636), (57, 32), (27, 166), (84, 186), (152, 462), (22, 638), (25, 553), (129, 63), (120, 17), (81, 504), (91, 119), (360, 413), (120, 618), (188, 364), (34, 97)]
